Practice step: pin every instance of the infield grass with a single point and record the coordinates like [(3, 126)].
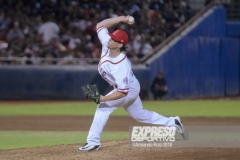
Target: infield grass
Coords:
[(29, 139), (187, 108)]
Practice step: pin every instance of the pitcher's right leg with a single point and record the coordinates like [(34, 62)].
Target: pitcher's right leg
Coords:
[(137, 111)]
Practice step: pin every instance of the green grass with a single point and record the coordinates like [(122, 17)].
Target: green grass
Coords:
[(28, 139), (204, 108), (197, 108)]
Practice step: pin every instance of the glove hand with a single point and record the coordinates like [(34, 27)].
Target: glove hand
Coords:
[(91, 92)]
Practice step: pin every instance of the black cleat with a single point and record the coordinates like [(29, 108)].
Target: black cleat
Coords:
[(88, 147), (179, 127)]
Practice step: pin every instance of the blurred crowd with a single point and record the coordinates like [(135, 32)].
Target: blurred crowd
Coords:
[(65, 29)]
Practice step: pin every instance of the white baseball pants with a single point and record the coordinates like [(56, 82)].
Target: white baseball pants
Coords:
[(133, 105)]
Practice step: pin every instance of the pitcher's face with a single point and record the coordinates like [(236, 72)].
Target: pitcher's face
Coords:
[(114, 44)]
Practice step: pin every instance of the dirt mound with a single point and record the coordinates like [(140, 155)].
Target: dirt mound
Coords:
[(77, 123), (120, 150)]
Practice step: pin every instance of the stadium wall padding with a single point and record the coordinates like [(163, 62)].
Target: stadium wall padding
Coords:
[(231, 62), (212, 26), (233, 28), (37, 83)]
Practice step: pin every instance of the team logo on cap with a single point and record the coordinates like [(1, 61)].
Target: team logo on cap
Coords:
[(125, 80)]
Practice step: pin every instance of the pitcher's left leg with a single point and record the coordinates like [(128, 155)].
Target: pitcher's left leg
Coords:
[(100, 119), (104, 109)]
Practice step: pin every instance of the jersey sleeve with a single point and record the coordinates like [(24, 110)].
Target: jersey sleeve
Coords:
[(103, 35), (122, 79)]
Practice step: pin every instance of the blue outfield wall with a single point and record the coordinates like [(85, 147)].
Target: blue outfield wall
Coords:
[(213, 25), (204, 63), (231, 65), (55, 83), (233, 29)]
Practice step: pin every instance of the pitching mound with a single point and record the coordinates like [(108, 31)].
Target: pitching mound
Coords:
[(120, 150)]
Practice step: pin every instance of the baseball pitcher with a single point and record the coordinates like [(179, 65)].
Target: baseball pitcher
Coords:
[(115, 68)]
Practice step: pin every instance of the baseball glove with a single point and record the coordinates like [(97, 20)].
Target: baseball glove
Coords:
[(91, 92)]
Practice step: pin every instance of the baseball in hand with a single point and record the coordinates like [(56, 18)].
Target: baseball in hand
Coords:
[(131, 20)]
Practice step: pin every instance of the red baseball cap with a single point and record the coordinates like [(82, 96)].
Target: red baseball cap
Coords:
[(119, 36)]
